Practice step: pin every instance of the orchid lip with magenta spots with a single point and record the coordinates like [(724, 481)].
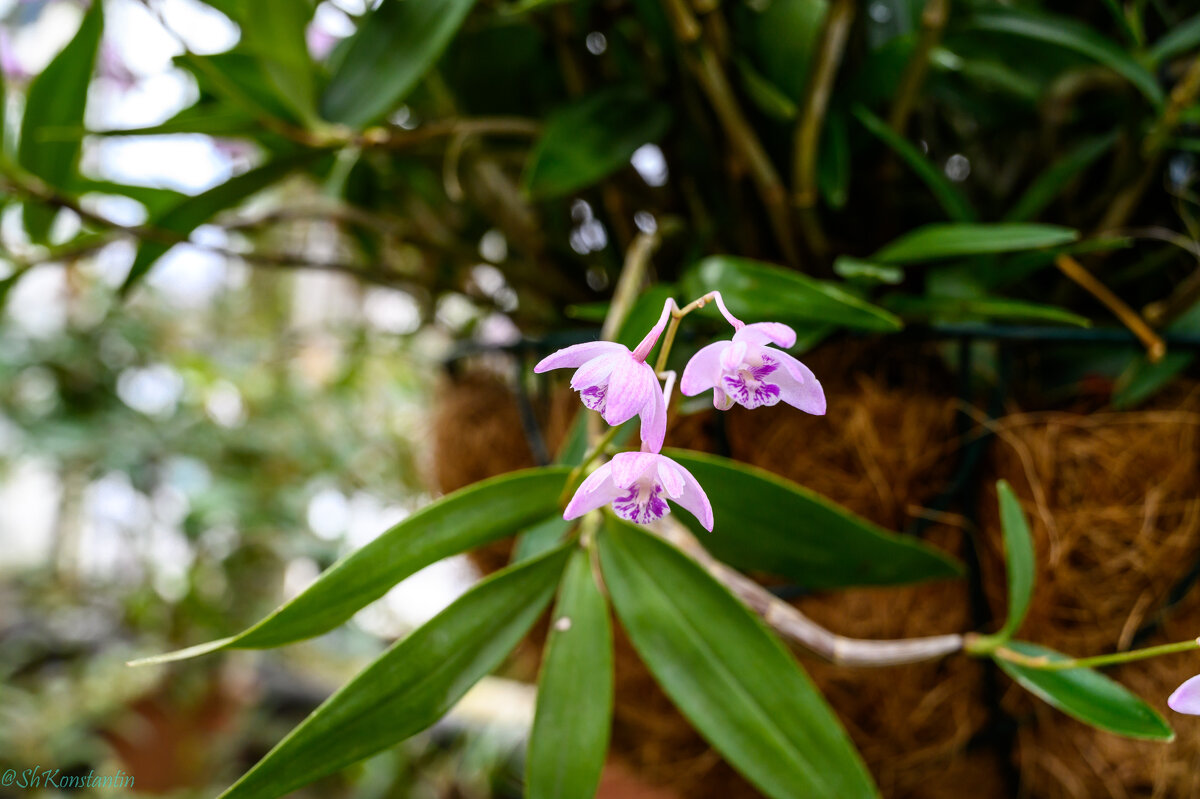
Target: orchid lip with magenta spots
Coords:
[(748, 371), (638, 485), (617, 382)]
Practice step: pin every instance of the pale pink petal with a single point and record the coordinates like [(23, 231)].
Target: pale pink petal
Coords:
[(721, 400), (1186, 698), (703, 370), (577, 355), (643, 348), (654, 419), (630, 467), (767, 333), (629, 388), (595, 371), (669, 477), (798, 386), (692, 498), (734, 355), (596, 491)]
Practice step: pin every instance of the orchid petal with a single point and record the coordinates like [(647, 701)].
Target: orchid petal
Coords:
[(692, 498), (767, 333), (703, 370), (594, 372), (798, 386), (734, 355), (596, 491), (577, 355), (1186, 698), (647, 343), (721, 400), (630, 467), (629, 388), (654, 419), (669, 477)]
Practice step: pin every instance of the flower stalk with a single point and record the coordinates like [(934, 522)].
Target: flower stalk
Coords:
[(1045, 663)]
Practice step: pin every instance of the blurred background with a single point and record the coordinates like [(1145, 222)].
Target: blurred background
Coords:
[(273, 277)]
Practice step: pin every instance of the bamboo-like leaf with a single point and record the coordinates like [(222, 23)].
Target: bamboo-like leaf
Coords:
[(55, 102), (938, 241), (1072, 35), (943, 308), (1086, 695), (274, 31), (394, 47), (1048, 185), (1018, 557), (575, 692), (468, 518), (759, 291), (1176, 41), (821, 544), (588, 140), (728, 675), (412, 684), (947, 194)]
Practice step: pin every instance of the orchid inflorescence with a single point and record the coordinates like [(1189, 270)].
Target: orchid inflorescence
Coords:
[(618, 384)]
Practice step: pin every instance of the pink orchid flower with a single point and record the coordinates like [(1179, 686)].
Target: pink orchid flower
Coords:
[(1186, 698), (748, 371), (617, 383), (638, 484)]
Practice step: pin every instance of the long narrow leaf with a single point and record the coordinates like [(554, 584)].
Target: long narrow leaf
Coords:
[(938, 241), (1048, 185), (1018, 558), (412, 684)]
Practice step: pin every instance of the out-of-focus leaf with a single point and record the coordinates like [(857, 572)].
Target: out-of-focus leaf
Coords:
[(240, 79), (412, 684), (588, 140), (944, 308), (1018, 558), (756, 291), (857, 268), (1018, 267), (274, 31), (769, 98), (821, 544), (1048, 185), (575, 692), (541, 537), (210, 118), (155, 200), (933, 242), (833, 166), (730, 677), (195, 211), (1072, 35), (1086, 695), (1176, 41), (394, 47), (644, 314), (54, 104), (781, 37), (468, 518), (987, 73), (947, 195)]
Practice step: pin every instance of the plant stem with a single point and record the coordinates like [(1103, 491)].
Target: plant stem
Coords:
[(594, 452), (677, 314), (1155, 347), (933, 22), (1047, 664)]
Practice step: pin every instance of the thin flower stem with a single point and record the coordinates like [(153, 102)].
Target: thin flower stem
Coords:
[(677, 315), (1045, 663), (1155, 347)]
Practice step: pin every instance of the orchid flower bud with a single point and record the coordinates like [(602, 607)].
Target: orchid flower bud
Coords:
[(1186, 698)]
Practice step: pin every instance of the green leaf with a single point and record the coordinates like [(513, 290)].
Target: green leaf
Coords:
[(1179, 39), (394, 47), (954, 308), (575, 692), (412, 684), (859, 269), (541, 537), (757, 291), (274, 31), (1086, 695), (592, 138), (1071, 35), (946, 193), (55, 102), (932, 242), (468, 518), (769, 98), (1142, 379), (766, 523), (728, 675), (833, 167), (1047, 186), (195, 211), (1018, 558)]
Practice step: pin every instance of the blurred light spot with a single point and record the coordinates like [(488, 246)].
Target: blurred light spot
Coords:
[(224, 404), (203, 29), (298, 575), (880, 12), (115, 208), (924, 145), (152, 100), (391, 311), (589, 237), (596, 43), (36, 390), (649, 162), (187, 162), (403, 117), (29, 499), (417, 599), (369, 518), (645, 221), (597, 278), (219, 541), (455, 311), (493, 246), (497, 330), (66, 227), (488, 279), (334, 19), (36, 43), (171, 505), (328, 513), (958, 167), (37, 303), (115, 350), (154, 390), (1181, 170), (581, 211), (110, 264)]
